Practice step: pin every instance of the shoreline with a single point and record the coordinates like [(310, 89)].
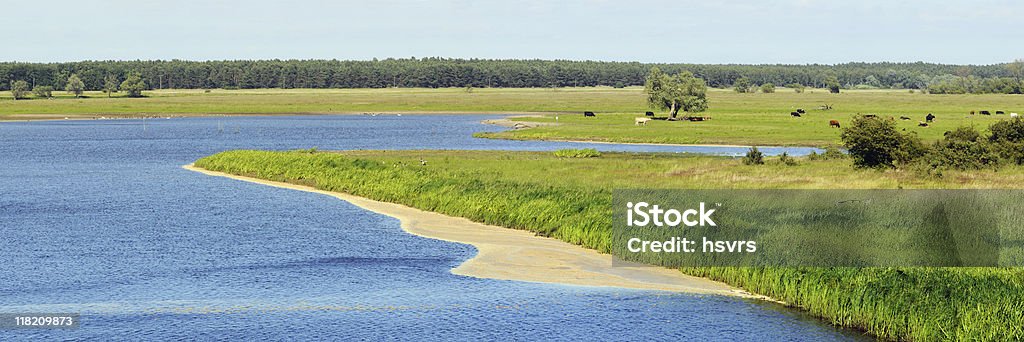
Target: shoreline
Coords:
[(510, 254), (137, 116)]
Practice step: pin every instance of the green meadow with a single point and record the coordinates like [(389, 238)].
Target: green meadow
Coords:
[(740, 119), (568, 197)]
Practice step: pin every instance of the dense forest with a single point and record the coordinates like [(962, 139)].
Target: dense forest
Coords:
[(445, 72)]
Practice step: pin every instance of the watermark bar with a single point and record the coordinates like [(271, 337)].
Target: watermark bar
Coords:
[(819, 228), (36, 320)]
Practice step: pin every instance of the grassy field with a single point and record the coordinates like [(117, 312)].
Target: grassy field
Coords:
[(569, 199), (741, 119)]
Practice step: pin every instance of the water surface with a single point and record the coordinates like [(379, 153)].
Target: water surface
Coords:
[(98, 218)]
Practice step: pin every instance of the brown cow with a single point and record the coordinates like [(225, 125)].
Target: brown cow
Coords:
[(834, 123)]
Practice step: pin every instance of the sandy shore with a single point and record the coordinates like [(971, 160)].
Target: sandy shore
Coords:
[(511, 254)]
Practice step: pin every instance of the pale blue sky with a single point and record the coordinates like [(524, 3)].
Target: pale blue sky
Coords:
[(704, 31)]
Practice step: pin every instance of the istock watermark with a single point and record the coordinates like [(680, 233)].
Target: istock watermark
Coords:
[(865, 228)]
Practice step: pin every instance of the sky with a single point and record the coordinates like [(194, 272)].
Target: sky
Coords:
[(706, 31)]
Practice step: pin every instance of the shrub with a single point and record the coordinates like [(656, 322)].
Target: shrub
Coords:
[(767, 88), (1007, 139), (577, 153), (43, 91), (797, 87), (742, 85), (874, 142), (19, 89), (785, 159), (753, 157), (961, 149)]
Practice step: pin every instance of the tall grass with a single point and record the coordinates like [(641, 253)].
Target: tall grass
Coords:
[(895, 303)]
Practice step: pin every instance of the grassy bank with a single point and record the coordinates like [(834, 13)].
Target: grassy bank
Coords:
[(569, 199)]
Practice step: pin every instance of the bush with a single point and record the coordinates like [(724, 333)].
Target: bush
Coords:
[(797, 87), (577, 153), (960, 149), (767, 88), (875, 142), (1007, 139), (831, 152), (785, 159), (753, 157), (43, 91), (742, 85), (19, 89)]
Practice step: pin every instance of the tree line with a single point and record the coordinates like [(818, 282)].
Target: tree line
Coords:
[(447, 72)]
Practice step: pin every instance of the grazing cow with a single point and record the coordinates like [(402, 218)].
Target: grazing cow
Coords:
[(985, 112), (929, 117), (641, 121), (999, 112), (1013, 115), (589, 114), (649, 114), (904, 118), (834, 123), (922, 124), (794, 114), (972, 112), (800, 110)]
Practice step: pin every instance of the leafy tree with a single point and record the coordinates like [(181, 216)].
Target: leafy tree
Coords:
[(19, 89), (43, 91), (110, 85), (876, 142), (1016, 69), (767, 88), (133, 85), (832, 83), (75, 85), (742, 85), (680, 92)]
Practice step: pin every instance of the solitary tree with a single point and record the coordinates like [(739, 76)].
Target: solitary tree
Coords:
[(75, 85), (110, 85), (43, 91), (680, 92), (133, 85), (19, 89), (742, 85)]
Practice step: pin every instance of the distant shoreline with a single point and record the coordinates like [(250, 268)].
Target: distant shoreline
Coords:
[(510, 254)]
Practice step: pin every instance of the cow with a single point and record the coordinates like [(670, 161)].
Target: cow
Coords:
[(985, 112), (794, 114), (589, 114), (929, 118), (999, 112), (800, 110), (1013, 115), (698, 118), (649, 114), (904, 118), (972, 112), (922, 124), (641, 121), (833, 123), (870, 116)]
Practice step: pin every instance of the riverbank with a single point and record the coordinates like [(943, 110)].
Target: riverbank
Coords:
[(510, 254)]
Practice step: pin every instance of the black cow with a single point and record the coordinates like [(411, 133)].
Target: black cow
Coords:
[(649, 114), (999, 112), (929, 117), (904, 118), (589, 114), (794, 114), (872, 116), (800, 110), (922, 124), (985, 112)]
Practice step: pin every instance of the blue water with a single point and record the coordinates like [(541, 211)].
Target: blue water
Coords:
[(98, 218)]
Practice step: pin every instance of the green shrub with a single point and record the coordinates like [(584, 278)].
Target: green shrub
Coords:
[(1007, 139), (785, 159), (767, 88), (753, 157), (961, 149), (742, 85), (876, 142), (43, 91), (577, 153)]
